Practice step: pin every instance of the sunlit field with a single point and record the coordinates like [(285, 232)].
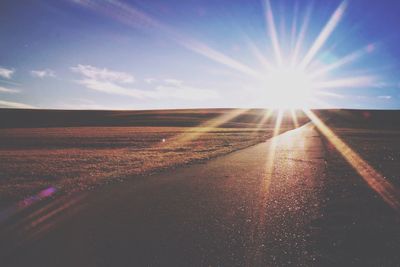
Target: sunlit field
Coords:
[(78, 158)]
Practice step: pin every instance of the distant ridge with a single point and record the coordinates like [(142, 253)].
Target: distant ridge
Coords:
[(25, 118)]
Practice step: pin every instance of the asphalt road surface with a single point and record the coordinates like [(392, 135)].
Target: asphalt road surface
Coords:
[(272, 204)]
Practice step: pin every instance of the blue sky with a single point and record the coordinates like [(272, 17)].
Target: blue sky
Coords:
[(189, 54)]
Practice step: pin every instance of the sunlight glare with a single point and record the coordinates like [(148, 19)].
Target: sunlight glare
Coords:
[(389, 193), (289, 88)]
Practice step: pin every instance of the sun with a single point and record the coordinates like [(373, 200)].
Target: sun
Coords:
[(288, 87)]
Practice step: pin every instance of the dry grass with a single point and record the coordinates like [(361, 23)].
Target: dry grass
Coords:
[(78, 158)]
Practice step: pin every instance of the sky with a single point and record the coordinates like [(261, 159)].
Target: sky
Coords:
[(109, 54)]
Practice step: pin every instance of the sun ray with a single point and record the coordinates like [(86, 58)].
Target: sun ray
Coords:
[(389, 193), (324, 35), (278, 123), (273, 33), (195, 132), (219, 57), (257, 228), (273, 140), (300, 38), (357, 81), (136, 18), (293, 31), (293, 115), (259, 55), (264, 119), (341, 62)]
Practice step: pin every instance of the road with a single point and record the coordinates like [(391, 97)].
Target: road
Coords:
[(262, 206)]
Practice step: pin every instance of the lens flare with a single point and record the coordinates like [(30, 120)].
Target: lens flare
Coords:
[(289, 88), (389, 193)]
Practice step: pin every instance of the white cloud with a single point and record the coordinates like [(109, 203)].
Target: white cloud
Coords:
[(8, 90), (111, 88), (9, 104), (112, 82), (330, 94), (6, 73), (173, 82), (104, 74), (149, 80), (384, 97), (43, 73), (161, 91)]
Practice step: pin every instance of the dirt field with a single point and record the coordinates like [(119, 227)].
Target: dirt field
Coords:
[(78, 158), (81, 156)]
